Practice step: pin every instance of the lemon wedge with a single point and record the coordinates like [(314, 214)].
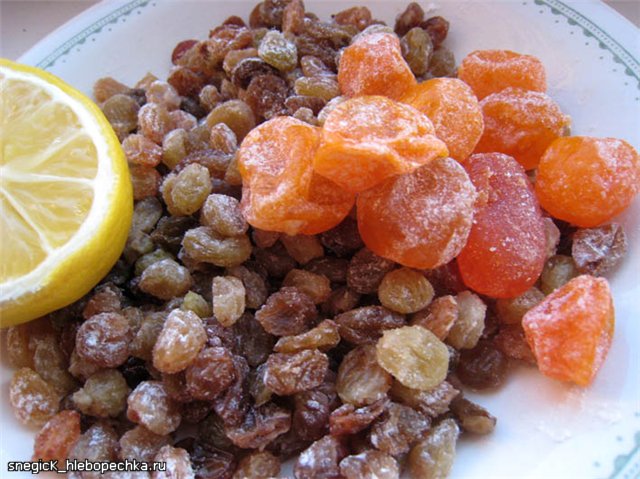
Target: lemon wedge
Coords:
[(65, 194)]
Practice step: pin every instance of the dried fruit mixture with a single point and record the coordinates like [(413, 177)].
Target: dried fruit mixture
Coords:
[(335, 233)]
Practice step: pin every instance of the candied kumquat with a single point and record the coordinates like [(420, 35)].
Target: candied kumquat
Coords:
[(373, 65), (454, 110), (521, 124), (587, 181), (420, 219), (490, 71), (370, 138), (506, 249), (281, 191), (570, 331)]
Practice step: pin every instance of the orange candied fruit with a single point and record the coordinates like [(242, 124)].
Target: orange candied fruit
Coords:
[(521, 124), (506, 249), (587, 181), (454, 110), (373, 65), (490, 71), (370, 138), (420, 219), (281, 192), (570, 331)]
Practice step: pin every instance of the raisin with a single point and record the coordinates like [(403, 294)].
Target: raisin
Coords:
[(104, 339), (367, 324), (405, 291), (359, 17), (302, 248), (222, 213), (210, 373), (323, 337), (181, 339), (254, 285), (370, 464), (472, 417), (398, 429), (311, 413), (315, 286), (233, 404), (366, 271), (57, 437), (266, 95), (165, 279), (349, 420), (228, 294), (104, 394), (513, 344), (557, 271), (361, 380), (258, 464), (288, 374), (482, 367), (287, 312), (410, 18), (321, 460), (178, 463), (150, 405), (212, 463), (597, 251), (433, 456), (261, 425), (511, 311), (432, 402), (206, 245), (140, 444), (467, 329), (333, 268)]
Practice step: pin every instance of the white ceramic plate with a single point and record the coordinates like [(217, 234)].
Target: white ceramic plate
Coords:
[(545, 428)]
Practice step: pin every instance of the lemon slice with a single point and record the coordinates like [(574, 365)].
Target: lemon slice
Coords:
[(65, 194)]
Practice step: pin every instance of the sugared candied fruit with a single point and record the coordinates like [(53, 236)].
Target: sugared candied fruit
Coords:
[(570, 331), (490, 71), (419, 219), (521, 124), (454, 111), (587, 181), (281, 191), (370, 138), (373, 65), (506, 248), (414, 356)]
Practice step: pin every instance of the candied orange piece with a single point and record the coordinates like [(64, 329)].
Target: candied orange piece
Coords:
[(373, 65), (521, 124), (506, 249), (454, 110), (420, 219), (587, 181), (281, 192), (490, 71), (369, 138), (570, 331)]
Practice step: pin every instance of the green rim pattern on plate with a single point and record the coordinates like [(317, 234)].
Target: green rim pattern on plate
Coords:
[(620, 54), (626, 466), (96, 27)]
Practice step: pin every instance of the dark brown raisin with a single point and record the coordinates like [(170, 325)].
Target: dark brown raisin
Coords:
[(254, 343), (433, 402), (210, 373), (366, 325), (249, 68), (233, 404), (366, 271), (348, 419), (482, 367), (344, 239), (104, 339), (412, 16), (287, 312), (261, 425), (472, 417), (437, 28), (398, 429), (597, 251)]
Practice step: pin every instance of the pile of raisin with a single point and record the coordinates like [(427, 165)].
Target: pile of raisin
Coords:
[(274, 301)]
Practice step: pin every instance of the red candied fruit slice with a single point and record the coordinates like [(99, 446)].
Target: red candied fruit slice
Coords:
[(370, 138), (570, 331), (490, 71), (373, 65), (420, 219), (587, 181), (280, 190), (454, 110), (521, 124), (505, 252)]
